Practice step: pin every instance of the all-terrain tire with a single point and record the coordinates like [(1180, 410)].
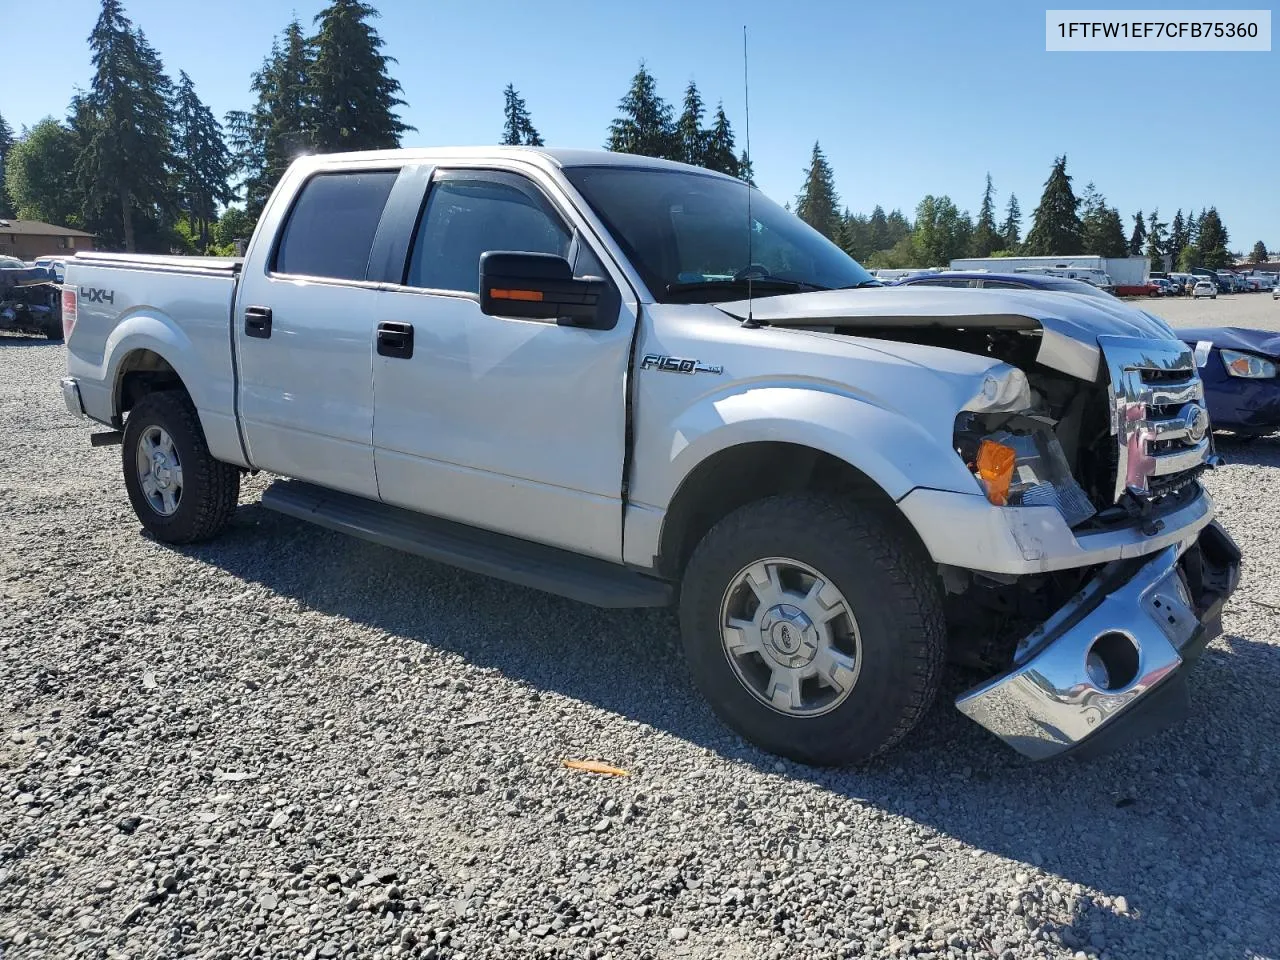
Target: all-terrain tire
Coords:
[(892, 588), (210, 488)]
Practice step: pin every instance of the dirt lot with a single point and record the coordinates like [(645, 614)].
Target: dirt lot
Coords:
[(287, 743)]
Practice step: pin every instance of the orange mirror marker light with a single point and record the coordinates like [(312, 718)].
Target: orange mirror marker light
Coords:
[(498, 294), (995, 470)]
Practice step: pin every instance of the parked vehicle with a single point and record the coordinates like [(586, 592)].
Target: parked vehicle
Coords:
[(1238, 367), (1095, 277), (596, 375), (29, 300), (57, 265), (1205, 288), (1009, 281)]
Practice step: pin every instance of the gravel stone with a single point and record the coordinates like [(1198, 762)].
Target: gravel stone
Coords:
[(310, 726)]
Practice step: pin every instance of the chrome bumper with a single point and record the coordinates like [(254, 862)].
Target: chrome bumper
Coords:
[(71, 396), (1142, 621)]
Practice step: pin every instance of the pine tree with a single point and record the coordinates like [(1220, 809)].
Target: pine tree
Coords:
[(720, 146), (1178, 237), (204, 163), (355, 98), (1103, 229), (858, 235), (1259, 253), (1156, 239), (125, 168), (691, 139), (518, 129), (985, 237), (1213, 241), (644, 126), (899, 228), (746, 170), (1055, 226), (818, 203), (878, 230), (6, 144), (1011, 229), (266, 139), (1138, 239)]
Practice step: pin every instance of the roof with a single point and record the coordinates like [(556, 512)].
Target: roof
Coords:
[(543, 156), (37, 228)]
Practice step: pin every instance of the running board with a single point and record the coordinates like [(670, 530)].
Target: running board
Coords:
[(597, 582)]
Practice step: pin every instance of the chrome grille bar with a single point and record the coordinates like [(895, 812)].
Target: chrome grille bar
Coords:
[(1157, 414)]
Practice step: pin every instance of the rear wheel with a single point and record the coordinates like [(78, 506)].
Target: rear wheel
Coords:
[(814, 627), (178, 490)]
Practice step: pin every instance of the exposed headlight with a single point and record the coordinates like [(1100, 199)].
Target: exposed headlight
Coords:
[(1247, 365), (1019, 462), (1004, 390)]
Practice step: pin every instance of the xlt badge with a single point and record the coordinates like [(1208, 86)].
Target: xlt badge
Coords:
[(654, 361)]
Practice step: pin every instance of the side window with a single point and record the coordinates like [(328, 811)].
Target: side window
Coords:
[(1002, 285), (942, 283), (331, 226), (468, 215)]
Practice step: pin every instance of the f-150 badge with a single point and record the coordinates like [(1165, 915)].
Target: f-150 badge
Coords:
[(653, 361)]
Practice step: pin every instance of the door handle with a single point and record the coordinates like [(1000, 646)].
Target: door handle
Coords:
[(257, 322), (395, 340)]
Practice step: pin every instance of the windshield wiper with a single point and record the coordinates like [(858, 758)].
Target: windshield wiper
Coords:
[(863, 283)]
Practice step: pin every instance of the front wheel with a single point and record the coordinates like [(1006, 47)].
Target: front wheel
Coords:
[(814, 627), (178, 490)]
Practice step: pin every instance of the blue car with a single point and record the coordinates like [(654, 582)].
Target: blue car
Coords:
[(1006, 281), (1238, 366)]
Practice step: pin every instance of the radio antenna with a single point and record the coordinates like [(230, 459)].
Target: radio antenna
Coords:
[(746, 176)]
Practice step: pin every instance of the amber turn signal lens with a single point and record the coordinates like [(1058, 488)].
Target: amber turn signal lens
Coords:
[(995, 470), (532, 295)]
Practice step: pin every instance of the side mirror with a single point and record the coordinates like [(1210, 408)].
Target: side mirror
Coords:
[(540, 286)]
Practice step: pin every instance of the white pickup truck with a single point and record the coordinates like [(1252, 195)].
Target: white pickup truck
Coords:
[(617, 379)]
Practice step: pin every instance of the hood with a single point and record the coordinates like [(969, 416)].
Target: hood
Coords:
[(1070, 325), (1264, 342)]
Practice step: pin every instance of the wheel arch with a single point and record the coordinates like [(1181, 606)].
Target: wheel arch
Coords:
[(743, 473), (142, 371)]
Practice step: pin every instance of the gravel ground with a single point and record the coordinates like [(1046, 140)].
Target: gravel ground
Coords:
[(288, 743), (1256, 310)]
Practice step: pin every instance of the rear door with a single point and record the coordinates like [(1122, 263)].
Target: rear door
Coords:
[(510, 424), (304, 334)]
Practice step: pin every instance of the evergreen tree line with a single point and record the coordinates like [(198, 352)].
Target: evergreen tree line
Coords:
[(142, 162), (647, 124), (1061, 225)]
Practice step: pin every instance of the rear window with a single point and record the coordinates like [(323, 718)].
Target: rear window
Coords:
[(331, 227)]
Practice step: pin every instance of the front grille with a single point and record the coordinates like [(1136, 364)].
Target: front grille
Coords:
[(1157, 415)]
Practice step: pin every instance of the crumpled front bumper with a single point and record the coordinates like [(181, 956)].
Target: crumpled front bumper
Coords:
[(1145, 620)]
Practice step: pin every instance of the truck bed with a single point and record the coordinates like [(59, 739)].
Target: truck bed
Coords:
[(160, 263)]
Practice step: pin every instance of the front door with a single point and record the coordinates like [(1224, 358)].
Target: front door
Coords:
[(305, 333), (509, 424)]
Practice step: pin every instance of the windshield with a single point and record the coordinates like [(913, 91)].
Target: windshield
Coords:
[(686, 234)]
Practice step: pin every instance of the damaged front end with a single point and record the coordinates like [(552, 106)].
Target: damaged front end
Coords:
[(1082, 567), (1110, 666), (1106, 664)]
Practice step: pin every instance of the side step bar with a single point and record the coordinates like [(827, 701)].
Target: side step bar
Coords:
[(592, 581)]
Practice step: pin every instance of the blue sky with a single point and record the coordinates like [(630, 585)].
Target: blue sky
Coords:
[(906, 98)]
